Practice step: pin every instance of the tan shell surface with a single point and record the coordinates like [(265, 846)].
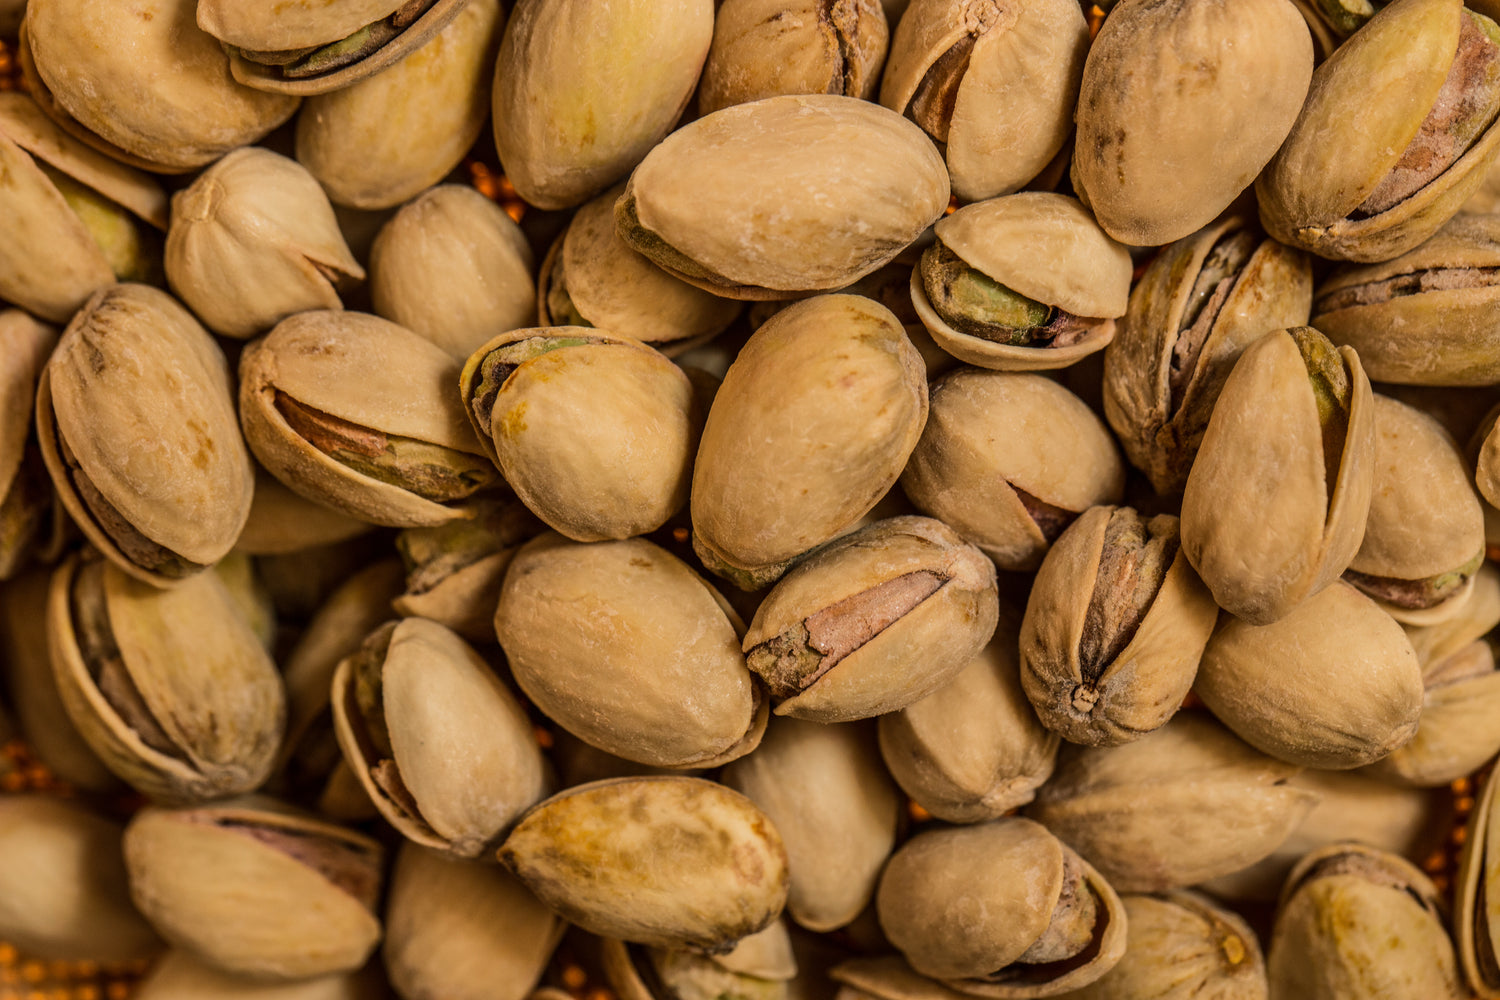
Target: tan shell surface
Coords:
[(583, 91), (154, 83), (998, 356), (1476, 915), (141, 394), (1479, 615), (280, 25), (25, 345), (180, 976), (283, 522), (1454, 735), (831, 188)]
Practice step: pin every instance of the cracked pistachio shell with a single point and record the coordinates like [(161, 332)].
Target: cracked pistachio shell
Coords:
[(592, 278), (835, 807), (1114, 627), (583, 91), (276, 25), (759, 968), (441, 746), (27, 502), (1198, 305), (784, 195), (1334, 684), (1424, 537), (376, 394), (452, 267), (880, 618), (666, 861), (1355, 923), (1181, 946), (594, 431), (624, 646), (282, 522), (1182, 804), (462, 931), (1011, 494), (1182, 104), (256, 888), (147, 83), (253, 240), (171, 688), (180, 976), (389, 137), (811, 426), (1476, 920), (1046, 248), (977, 906), (1364, 110), (138, 431), (1428, 317), (766, 48), (63, 888), (973, 749), (995, 83), (1264, 451), (1476, 617)]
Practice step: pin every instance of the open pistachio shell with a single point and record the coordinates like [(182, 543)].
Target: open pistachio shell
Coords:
[(673, 862), (1476, 918), (1454, 736), (181, 976), (26, 500), (275, 25), (641, 973)]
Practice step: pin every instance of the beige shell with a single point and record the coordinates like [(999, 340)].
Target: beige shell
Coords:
[(1263, 451), (674, 862), (28, 503), (626, 647), (971, 467), (786, 462), (784, 195), (152, 83), (1185, 803), (1475, 920), (278, 25), (758, 966), (583, 91), (452, 267), (253, 240), (1173, 121), (1012, 111), (282, 522), (392, 135), (180, 976), (255, 888)]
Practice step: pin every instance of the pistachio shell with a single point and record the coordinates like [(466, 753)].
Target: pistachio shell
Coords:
[(686, 975), (274, 25), (25, 498), (1455, 735), (180, 976), (1475, 918), (282, 522)]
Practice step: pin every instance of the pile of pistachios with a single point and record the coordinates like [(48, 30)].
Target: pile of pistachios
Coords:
[(933, 500)]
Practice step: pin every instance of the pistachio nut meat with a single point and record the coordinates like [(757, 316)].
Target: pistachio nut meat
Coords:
[(878, 619), (256, 888), (594, 431), (1397, 132), (765, 48), (787, 461), (1355, 923), (1020, 283), (147, 87), (136, 422), (636, 972), (1011, 494), (993, 84), (1181, 105), (784, 196), (1114, 627), (591, 277), (1185, 803), (1427, 317), (181, 976), (667, 861), (315, 46), (27, 502), (583, 91), (1476, 924), (254, 240), (630, 650), (1292, 437), (1198, 305), (359, 414)]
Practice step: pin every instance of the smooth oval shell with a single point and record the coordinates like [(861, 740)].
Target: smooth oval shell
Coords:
[(180, 976), (276, 25), (1454, 733)]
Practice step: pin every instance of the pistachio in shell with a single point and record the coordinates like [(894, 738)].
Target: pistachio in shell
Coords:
[(993, 84), (359, 414), (283, 523), (783, 196), (641, 973), (1181, 105), (253, 240), (1114, 627), (1476, 925), (1198, 305), (1396, 133), (180, 976), (1011, 494), (1020, 283), (1292, 437), (444, 751), (812, 425), (137, 428), (28, 508), (666, 861), (256, 888)]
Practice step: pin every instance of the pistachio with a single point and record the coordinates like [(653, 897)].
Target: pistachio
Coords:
[(638, 973), (282, 522), (27, 503), (180, 976), (1475, 923)]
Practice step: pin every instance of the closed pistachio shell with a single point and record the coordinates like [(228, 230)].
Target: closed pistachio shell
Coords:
[(180, 976)]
